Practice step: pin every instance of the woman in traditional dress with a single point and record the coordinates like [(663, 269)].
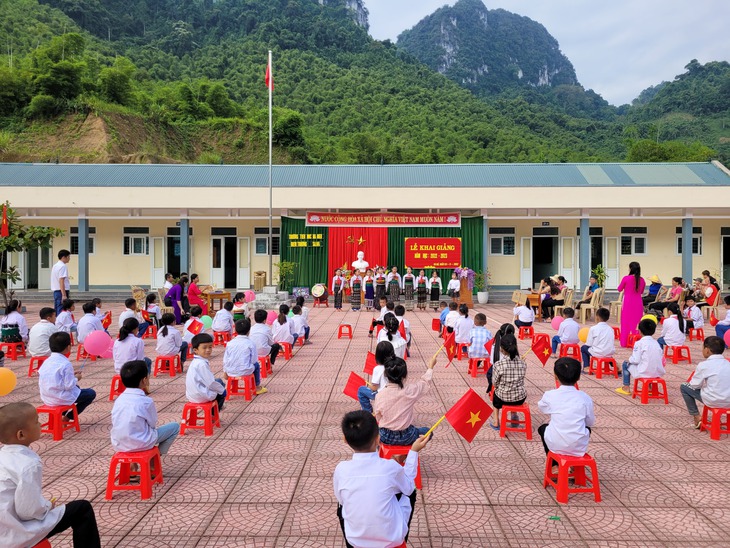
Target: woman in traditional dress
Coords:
[(369, 289), (175, 294), (356, 288), (395, 284), (195, 294), (380, 282), (338, 288), (434, 287), (409, 287), (422, 289), (632, 308)]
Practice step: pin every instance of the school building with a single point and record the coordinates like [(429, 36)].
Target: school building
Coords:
[(129, 224)]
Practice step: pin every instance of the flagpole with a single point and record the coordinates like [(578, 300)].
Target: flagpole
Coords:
[(271, 199), (435, 425)]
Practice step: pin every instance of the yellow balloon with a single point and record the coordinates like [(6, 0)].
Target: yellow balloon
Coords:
[(583, 334), (8, 380), (649, 317)]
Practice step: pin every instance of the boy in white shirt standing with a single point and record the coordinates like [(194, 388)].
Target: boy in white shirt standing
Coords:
[(40, 332), (600, 340), (710, 382), (375, 496), (223, 319), (646, 360), (568, 330), (134, 416), (241, 357), (200, 384)]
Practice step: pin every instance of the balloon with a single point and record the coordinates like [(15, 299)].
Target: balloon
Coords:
[(8, 380), (207, 321), (271, 317), (109, 352), (726, 338), (291, 314), (649, 317), (249, 296), (97, 342), (583, 334), (557, 320)]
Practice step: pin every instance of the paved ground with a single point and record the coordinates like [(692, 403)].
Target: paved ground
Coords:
[(265, 478)]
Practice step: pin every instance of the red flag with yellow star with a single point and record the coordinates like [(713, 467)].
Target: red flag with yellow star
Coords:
[(369, 364), (541, 348), (145, 315), (468, 415), (106, 321), (5, 229), (713, 319), (450, 346), (195, 327)]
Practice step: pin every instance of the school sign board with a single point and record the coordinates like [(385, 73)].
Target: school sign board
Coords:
[(433, 252)]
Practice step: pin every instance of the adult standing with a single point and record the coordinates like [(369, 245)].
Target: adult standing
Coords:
[(632, 308), (60, 284), (176, 295)]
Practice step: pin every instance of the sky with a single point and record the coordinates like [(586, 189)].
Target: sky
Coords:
[(618, 47)]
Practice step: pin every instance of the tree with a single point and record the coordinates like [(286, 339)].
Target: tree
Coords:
[(21, 238)]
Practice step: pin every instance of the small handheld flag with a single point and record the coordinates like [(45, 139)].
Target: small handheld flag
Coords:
[(489, 345), (195, 327), (541, 348), (106, 321), (146, 315), (450, 346), (713, 319), (468, 415), (369, 364), (5, 228), (353, 383)]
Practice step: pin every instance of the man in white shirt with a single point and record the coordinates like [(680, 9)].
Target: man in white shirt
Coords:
[(710, 383), (131, 312), (568, 330), (260, 334), (241, 356), (60, 283), (600, 339), (375, 496), (646, 361), (88, 323), (39, 333), (167, 286)]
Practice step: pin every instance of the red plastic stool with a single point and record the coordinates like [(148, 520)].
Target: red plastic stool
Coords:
[(300, 340), (524, 425), (475, 369), (191, 352), (210, 417), (603, 366), (390, 451), (696, 334), (436, 325), (221, 338), (570, 350), (633, 337), (377, 330), (526, 332), (286, 350), (462, 349), (616, 333), (650, 389), (714, 425), (265, 366), (150, 472), (151, 332), (538, 336), (116, 388), (82, 354), (167, 364), (56, 425), (233, 388), (678, 354), (72, 338), (45, 544), (344, 329), (13, 350), (36, 361), (583, 484)]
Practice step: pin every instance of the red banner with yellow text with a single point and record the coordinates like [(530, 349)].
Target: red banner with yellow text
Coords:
[(433, 252), (378, 219)]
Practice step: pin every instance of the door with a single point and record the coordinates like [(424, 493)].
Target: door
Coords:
[(611, 262), (725, 274), (526, 263), (44, 268), (244, 263), (217, 261), (567, 260), (17, 259), (158, 262)]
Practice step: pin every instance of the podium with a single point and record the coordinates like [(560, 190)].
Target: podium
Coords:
[(465, 296)]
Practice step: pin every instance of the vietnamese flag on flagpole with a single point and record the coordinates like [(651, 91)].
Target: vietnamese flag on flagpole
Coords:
[(106, 321), (541, 348), (468, 415), (369, 364), (353, 383), (269, 77), (5, 229), (195, 327)]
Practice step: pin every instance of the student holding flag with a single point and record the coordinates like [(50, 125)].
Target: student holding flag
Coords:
[(194, 325), (132, 312)]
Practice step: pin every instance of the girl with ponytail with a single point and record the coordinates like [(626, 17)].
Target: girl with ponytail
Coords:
[(391, 334), (169, 340), (126, 348), (497, 354), (282, 330), (673, 328), (509, 377)]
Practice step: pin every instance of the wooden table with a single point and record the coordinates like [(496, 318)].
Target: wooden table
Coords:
[(212, 297), (536, 301)]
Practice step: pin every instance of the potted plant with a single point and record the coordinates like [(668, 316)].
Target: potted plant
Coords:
[(285, 271), (481, 284), (600, 273)]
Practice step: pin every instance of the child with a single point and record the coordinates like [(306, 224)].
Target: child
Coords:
[(421, 289), (394, 404), (88, 323), (568, 330), (240, 310), (261, 336), (338, 288), (497, 354), (356, 291), (400, 312), (693, 317), (65, 320), (478, 337), (297, 323), (672, 328), (200, 384), (600, 340), (27, 517), (134, 416), (368, 283), (710, 383), (96, 301), (195, 313), (153, 309), (132, 312), (380, 281), (14, 319), (452, 317), (223, 320), (366, 394), (463, 325), (508, 376), (282, 330), (375, 496), (383, 307), (395, 284), (444, 310), (39, 333), (434, 287), (57, 381), (305, 318), (646, 360), (169, 340), (524, 314), (241, 357), (390, 333), (571, 412), (409, 286), (129, 348), (453, 288)]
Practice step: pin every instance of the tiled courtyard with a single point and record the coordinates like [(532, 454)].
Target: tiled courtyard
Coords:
[(264, 479)]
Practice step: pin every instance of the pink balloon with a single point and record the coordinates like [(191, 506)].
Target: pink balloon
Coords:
[(271, 317), (726, 338), (108, 353), (557, 320), (249, 295), (97, 342)]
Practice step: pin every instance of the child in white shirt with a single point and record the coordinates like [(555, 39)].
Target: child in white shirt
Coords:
[(14, 317), (305, 318), (454, 287), (195, 313), (200, 384), (297, 321), (153, 309), (128, 347), (88, 323), (692, 314), (724, 325), (390, 333), (40, 332), (646, 360), (463, 325), (673, 328), (710, 382), (282, 330), (65, 321), (366, 394), (241, 356), (385, 307), (568, 330), (452, 317), (223, 319), (169, 340), (524, 315), (600, 339), (400, 312)]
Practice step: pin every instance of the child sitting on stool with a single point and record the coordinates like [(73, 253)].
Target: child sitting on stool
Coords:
[(710, 383), (200, 384), (646, 360)]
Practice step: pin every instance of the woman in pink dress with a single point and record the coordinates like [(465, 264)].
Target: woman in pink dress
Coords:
[(195, 294), (632, 308)]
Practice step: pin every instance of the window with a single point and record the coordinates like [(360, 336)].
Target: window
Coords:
[(696, 240), (261, 234), (136, 240), (223, 231), (633, 240), (74, 243), (501, 241)]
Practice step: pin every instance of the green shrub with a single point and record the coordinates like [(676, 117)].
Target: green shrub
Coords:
[(42, 106)]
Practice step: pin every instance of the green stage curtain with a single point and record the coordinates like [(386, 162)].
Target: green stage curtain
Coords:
[(311, 261), (472, 244)]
